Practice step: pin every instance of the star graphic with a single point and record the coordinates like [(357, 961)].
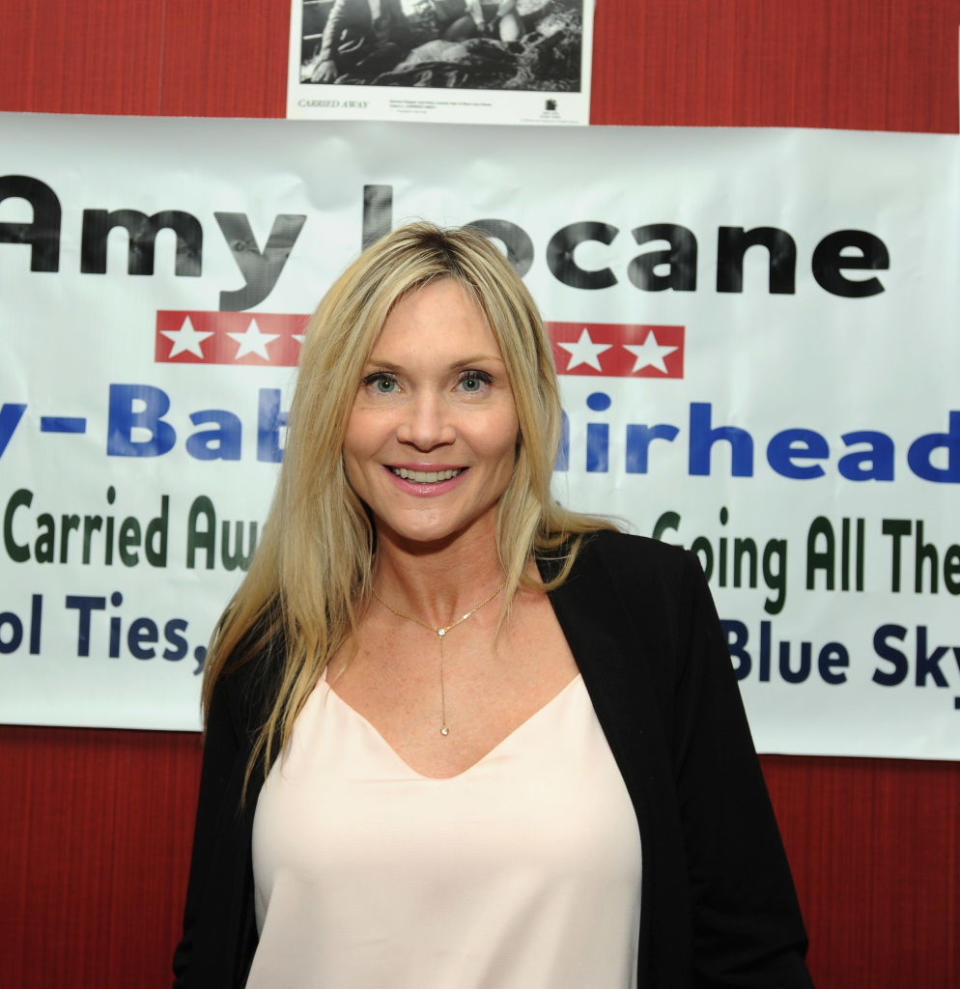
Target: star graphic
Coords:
[(584, 351), (186, 340), (252, 341), (649, 353), (300, 337)]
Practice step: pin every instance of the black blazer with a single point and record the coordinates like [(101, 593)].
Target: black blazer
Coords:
[(718, 908)]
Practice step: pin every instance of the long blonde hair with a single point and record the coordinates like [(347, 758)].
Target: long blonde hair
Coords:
[(311, 573)]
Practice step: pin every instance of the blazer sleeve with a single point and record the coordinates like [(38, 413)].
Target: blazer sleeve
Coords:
[(747, 928), (215, 921)]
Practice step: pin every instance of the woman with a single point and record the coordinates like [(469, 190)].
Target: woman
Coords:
[(503, 744)]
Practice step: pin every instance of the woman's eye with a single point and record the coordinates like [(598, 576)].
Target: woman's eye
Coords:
[(381, 382), (474, 381)]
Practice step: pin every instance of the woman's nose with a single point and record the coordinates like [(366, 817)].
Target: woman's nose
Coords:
[(427, 423)]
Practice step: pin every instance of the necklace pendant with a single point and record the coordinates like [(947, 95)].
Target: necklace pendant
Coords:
[(441, 632)]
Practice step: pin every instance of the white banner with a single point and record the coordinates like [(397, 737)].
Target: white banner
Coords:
[(756, 332)]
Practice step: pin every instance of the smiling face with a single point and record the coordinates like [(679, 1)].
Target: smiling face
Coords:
[(431, 438)]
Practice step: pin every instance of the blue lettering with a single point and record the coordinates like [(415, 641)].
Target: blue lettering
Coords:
[(270, 420), (919, 455), (833, 655), (891, 655), (215, 444), (176, 643), (794, 444), (598, 448), (141, 637), (123, 420), (737, 638), (12, 644), (928, 664), (797, 453), (854, 466), (703, 435), (85, 606), (598, 435), (562, 462), (639, 438), (10, 415)]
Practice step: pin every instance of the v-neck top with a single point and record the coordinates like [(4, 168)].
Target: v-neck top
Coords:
[(521, 872)]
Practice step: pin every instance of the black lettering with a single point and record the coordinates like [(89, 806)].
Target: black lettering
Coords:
[(829, 262), (238, 556), (514, 238), (897, 528), (259, 269), (201, 531), (821, 552), (18, 552), (43, 234), (680, 257), (142, 233), (377, 214), (734, 242), (563, 244)]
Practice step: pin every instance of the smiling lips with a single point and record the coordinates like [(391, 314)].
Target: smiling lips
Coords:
[(427, 476)]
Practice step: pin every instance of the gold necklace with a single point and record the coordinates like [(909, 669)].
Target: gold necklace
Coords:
[(441, 631)]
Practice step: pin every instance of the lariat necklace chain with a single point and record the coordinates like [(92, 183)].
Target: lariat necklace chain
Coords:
[(440, 631)]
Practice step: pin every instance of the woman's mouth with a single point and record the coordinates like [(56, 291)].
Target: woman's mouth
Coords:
[(427, 476)]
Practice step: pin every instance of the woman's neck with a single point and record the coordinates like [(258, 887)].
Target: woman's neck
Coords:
[(437, 583)]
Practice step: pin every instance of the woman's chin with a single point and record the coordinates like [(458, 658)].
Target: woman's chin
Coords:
[(430, 537)]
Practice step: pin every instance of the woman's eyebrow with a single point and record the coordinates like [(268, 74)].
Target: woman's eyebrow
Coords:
[(475, 359), (384, 365)]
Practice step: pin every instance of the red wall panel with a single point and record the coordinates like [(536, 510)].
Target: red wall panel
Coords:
[(868, 64), (873, 848), (95, 849), (95, 825), (225, 59), (865, 64)]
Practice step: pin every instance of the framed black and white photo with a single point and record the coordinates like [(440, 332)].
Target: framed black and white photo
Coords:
[(455, 61)]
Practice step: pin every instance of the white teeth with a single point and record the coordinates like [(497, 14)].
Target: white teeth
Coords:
[(425, 476)]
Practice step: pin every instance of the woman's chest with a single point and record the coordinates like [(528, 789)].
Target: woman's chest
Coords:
[(443, 703)]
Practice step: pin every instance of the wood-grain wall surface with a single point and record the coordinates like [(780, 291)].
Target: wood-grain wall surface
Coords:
[(95, 825)]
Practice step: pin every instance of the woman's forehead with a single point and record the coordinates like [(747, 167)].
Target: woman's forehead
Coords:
[(443, 315)]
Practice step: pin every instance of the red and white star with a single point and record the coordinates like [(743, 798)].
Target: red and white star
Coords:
[(186, 340), (252, 341), (649, 353), (584, 351)]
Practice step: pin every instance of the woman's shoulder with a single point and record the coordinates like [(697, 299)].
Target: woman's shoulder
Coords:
[(628, 578), (635, 557), (247, 682)]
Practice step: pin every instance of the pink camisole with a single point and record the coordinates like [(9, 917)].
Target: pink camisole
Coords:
[(522, 872)]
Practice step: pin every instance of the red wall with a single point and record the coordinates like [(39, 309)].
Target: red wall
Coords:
[(95, 825)]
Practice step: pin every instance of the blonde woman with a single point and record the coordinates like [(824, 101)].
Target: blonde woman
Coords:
[(456, 735)]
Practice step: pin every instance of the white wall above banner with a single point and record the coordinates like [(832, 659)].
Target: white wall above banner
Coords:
[(756, 332)]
